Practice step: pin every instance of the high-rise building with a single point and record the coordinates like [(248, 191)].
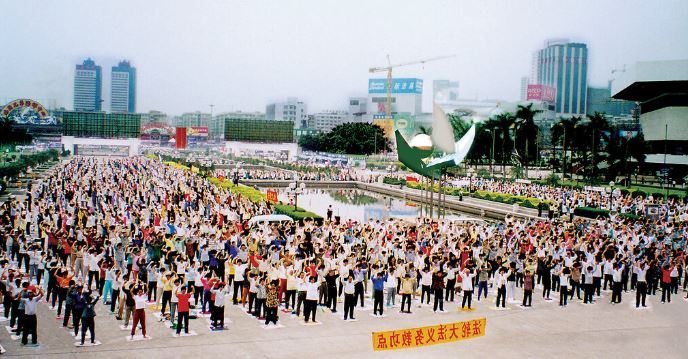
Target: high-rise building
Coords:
[(88, 87), (563, 65), (445, 91), (524, 88), (123, 89), (291, 110)]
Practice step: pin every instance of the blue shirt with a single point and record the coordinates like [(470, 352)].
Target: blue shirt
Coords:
[(379, 282)]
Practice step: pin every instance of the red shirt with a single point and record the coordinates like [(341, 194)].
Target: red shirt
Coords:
[(183, 305)]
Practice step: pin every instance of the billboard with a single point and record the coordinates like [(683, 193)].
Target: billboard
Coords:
[(401, 85), (541, 93), (197, 131)]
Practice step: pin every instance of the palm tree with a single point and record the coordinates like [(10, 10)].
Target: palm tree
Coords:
[(565, 128), (502, 125), (527, 130), (425, 130), (598, 130)]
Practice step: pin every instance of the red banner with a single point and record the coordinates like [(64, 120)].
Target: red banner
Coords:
[(411, 179), (180, 138), (272, 196)]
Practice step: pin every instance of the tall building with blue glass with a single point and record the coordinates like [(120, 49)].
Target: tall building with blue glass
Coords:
[(123, 88), (564, 66), (88, 87)]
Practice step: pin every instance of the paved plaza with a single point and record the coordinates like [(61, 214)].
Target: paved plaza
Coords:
[(543, 331)]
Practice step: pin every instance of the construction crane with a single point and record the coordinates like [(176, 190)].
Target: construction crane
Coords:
[(388, 69)]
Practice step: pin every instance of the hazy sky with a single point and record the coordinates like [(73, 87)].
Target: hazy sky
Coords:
[(239, 55)]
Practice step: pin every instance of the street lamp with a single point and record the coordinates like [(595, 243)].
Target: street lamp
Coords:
[(563, 150), (611, 194), (492, 152), (296, 188)]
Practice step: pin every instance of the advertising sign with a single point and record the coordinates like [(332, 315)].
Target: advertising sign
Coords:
[(197, 131), (430, 335), (541, 93), (401, 85)]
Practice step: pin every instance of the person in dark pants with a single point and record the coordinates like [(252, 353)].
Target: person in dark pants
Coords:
[(438, 289), (72, 292), (88, 316), (331, 279), (78, 310), (640, 271), (378, 289), (349, 289), (30, 322), (271, 304), (528, 289), (183, 310)]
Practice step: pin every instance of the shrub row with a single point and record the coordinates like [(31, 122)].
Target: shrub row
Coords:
[(257, 196), (13, 169)]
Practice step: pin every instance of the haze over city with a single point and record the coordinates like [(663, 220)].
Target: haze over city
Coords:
[(241, 55)]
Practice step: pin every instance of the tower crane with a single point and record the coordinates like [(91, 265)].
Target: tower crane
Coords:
[(388, 69)]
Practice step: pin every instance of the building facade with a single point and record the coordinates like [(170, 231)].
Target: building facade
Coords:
[(661, 89), (88, 87), (215, 124), (407, 96), (563, 65), (600, 100), (327, 120), (123, 88), (292, 110)]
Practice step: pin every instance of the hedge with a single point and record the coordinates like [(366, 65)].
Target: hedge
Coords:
[(13, 169), (257, 196), (590, 212), (394, 181)]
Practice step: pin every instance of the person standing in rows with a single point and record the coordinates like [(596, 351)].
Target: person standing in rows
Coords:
[(406, 290), (500, 283), (271, 304), (30, 321), (139, 311), (564, 286), (349, 289), (617, 272), (467, 287), (311, 304), (640, 270), (183, 310), (378, 289), (88, 317), (438, 290), (528, 289)]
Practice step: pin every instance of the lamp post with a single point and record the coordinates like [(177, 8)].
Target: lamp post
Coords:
[(296, 189), (611, 194), (492, 158)]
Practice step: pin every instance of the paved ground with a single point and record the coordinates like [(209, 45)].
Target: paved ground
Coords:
[(544, 331)]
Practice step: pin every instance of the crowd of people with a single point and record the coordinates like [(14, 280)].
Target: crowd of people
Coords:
[(136, 236)]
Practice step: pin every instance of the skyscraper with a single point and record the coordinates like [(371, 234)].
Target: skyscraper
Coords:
[(564, 66), (88, 87), (123, 90)]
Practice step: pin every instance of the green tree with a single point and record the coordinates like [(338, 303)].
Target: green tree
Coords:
[(526, 133), (11, 135), (502, 125), (564, 130), (349, 138)]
